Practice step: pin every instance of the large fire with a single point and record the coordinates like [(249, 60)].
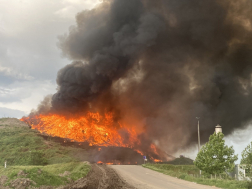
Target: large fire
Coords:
[(94, 128)]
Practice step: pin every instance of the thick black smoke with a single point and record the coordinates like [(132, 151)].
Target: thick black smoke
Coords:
[(160, 64)]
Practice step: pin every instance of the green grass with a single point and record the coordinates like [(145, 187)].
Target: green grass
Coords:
[(49, 175), (185, 171), (23, 146), (42, 160)]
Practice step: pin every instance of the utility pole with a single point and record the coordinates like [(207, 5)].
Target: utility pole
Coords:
[(198, 118), (198, 134)]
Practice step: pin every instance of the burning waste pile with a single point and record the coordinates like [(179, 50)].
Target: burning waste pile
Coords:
[(143, 70)]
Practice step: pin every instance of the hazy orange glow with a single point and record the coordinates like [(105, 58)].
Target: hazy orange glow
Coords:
[(157, 160), (138, 151), (154, 149), (109, 163)]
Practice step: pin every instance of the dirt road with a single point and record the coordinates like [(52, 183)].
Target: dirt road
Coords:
[(143, 178)]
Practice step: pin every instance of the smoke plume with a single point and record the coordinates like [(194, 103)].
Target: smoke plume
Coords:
[(159, 64)]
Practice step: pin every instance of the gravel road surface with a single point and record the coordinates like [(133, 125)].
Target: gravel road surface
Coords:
[(143, 178)]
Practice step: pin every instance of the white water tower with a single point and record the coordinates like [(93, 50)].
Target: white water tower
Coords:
[(218, 129)]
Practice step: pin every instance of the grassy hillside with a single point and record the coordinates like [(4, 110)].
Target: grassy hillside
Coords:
[(19, 145), (30, 156), (50, 175)]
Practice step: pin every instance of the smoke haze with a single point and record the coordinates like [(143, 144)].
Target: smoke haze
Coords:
[(159, 64)]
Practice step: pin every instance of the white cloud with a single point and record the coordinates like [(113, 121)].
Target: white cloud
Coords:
[(14, 73), (29, 57), (87, 3), (25, 96), (72, 6)]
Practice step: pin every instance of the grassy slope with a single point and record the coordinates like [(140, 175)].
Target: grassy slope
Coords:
[(18, 145), (24, 149), (49, 174), (184, 171)]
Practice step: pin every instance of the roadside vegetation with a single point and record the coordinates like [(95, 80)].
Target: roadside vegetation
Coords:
[(30, 156), (247, 162), (215, 160), (191, 172)]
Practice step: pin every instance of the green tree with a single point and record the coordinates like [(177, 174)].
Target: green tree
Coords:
[(215, 157), (247, 155), (247, 163)]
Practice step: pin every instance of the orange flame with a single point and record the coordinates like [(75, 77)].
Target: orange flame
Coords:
[(154, 149), (158, 160), (94, 128)]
